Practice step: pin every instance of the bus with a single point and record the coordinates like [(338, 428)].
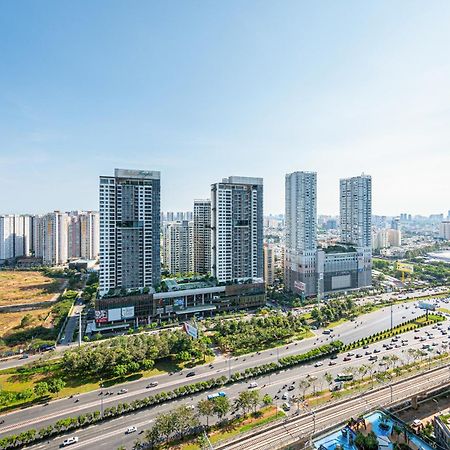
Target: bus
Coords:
[(344, 377), (216, 394)]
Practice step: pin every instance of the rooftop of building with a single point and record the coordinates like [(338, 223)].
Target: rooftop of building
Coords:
[(339, 248), (389, 432)]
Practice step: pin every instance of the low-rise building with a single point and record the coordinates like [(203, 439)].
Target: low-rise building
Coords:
[(442, 431), (179, 300)]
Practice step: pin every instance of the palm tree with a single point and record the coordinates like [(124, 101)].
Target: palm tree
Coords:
[(303, 385)]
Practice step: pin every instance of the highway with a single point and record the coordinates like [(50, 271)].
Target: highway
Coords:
[(111, 433)]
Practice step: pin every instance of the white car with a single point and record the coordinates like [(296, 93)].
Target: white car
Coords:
[(123, 391), (130, 430), (318, 364), (285, 396), (253, 384), (70, 441), (286, 406)]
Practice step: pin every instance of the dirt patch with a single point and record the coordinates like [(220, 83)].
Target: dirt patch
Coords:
[(18, 287), (12, 321)]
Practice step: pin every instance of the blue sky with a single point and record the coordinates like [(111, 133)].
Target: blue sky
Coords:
[(201, 90)]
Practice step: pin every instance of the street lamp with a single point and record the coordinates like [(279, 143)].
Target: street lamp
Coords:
[(101, 401)]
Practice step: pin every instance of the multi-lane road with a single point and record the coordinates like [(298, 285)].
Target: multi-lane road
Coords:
[(110, 435)]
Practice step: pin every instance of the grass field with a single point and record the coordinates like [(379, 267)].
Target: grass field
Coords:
[(17, 287), (11, 321)]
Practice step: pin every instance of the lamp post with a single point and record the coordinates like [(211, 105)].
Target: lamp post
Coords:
[(101, 397)]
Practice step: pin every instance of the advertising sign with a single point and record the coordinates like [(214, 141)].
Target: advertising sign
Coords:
[(404, 267), (114, 314), (169, 308), (299, 285), (427, 306), (128, 312), (101, 316), (159, 310), (178, 303), (190, 330)]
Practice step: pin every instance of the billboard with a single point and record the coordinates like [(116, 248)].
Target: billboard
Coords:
[(427, 305), (114, 314), (190, 330), (404, 267), (341, 282), (128, 312), (101, 316), (178, 303), (299, 285)]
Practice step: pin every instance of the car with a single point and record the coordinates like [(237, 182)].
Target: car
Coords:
[(291, 387), (358, 355), (350, 354), (417, 422), (190, 374), (318, 364), (24, 356), (152, 384), (70, 441), (416, 337), (286, 406), (332, 363), (285, 396), (347, 358), (253, 384), (123, 391), (333, 357), (131, 429), (376, 350), (365, 346), (403, 317), (368, 353), (373, 358)]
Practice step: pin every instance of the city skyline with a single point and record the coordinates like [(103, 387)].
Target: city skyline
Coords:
[(256, 90)]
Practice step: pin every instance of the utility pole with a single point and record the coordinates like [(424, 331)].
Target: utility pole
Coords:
[(392, 317)]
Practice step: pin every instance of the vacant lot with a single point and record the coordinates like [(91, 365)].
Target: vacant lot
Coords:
[(27, 287), (22, 320)]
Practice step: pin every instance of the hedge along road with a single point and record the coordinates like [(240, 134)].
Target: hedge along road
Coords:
[(38, 415)]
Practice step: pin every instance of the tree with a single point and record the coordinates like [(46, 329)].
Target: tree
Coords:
[(205, 408), (254, 398), (40, 389), (328, 378), (362, 370), (303, 385), (55, 385), (221, 406), (267, 400), (243, 402)]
